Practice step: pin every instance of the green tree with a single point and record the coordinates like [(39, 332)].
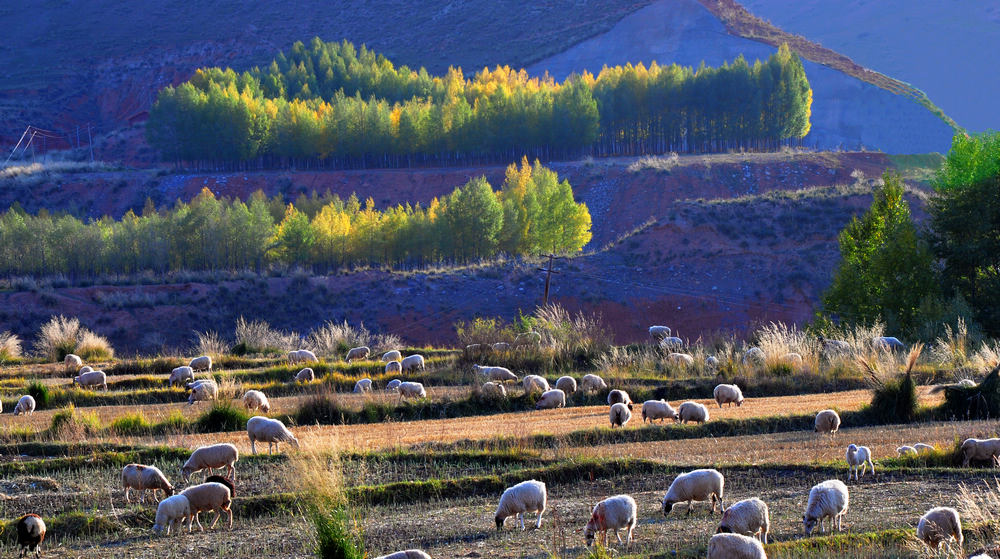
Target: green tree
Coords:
[(474, 217), (293, 238)]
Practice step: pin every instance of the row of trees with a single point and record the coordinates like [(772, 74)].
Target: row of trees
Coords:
[(331, 104), (533, 213)]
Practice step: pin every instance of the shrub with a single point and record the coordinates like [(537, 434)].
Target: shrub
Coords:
[(894, 399), (10, 346), (257, 337), (335, 339), (131, 424), (972, 402), (40, 393), (338, 534), (61, 336), (67, 424), (210, 343), (92, 347), (223, 416)]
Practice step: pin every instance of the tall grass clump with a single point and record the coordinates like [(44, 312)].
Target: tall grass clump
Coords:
[(952, 349), (10, 346), (894, 396), (222, 416), (210, 343), (61, 336), (257, 337), (578, 340), (777, 340), (334, 339), (319, 478), (40, 393), (68, 424)]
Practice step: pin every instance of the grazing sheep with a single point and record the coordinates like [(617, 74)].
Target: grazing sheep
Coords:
[(696, 485), (408, 554), (475, 347), (827, 499), (692, 411), (256, 400), (305, 375), (301, 356), (613, 513), (920, 447), (748, 517), (592, 382), (735, 546), (202, 390), (393, 367), (207, 497), (827, 421), (30, 533), (500, 346), (980, 449), (411, 390), (534, 383), (567, 384), (671, 342), (92, 378), (393, 355), (904, 450), (85, 369), (728, 394), (551, 399), (940, 524), (141, 478), (657, 409), (619, 415), (361, 352), (270, 431), (493, 389), (180, 375), (224, 481), (528, 338), (170, 511), (858, 456), (363, 385), (967, 383), (222, 455), (888, 343), (619, 397), (412, 362), (25, 405), (659, 332), (203, 363), (711, 362), (499, 374), (393, 385), (793, 359), (72, 362), (681, 359), (834, 347), (527, 496)]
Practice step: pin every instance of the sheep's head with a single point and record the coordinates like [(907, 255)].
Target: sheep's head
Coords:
[(157, 528), (588, 533), (499, 520), (723, 529), (668, 505), (852, 448), (808, 523), (266, 408)]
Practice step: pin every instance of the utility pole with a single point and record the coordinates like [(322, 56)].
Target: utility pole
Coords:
[(90, 140), (548, 277)]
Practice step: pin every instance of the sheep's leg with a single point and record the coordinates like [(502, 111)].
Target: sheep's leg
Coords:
[(253, 446), (230, 511), (628, 533), (231, 470), (520, 518), (872, 464), (690, 508), (142, 496), (127, 500), (538, 523), (218, 515), (197, 518), (618, 536)]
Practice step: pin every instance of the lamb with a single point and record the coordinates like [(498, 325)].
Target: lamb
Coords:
[(25, 405), (980, 449), (659, 332), (393, 385), (411, 390), (620, 415), (494, 390), (206, 497), (412, 362), (393, 367), (567, 384), (619, 397), (256, 400), (858, 456), (735, 546), (754, 355), (527, 496), (711, 362), (533, 383), (657, 409), (905, 449), (141, 478), (30, 533), (363, 385), (93, 378), (528, 338), (551, 399), (613, 513), (920, 447), (222, 455), (499, 374), (301, 356), (271, 431), (305, 375), (692, 411), (938, 525), (361, 352), (408, 554), (393, 355), (827, 499), (592, 382), (72, 362), (827, 421), (681, 359), (203, 363), (180, 375), (171, 510), (748, 517), (203, 390), (728, 394), (696, 485), (671, 342)]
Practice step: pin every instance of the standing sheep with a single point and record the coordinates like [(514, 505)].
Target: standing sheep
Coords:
[(728, 394), (413, 362), (592, 382), (358, 353), (411, 390), (980, 449), (671, 342), (393, 355), (692, 411), (858, 456), (904, 450), (748, 517), (92, 378), (754, 356), (180, 375), (827, 421), (72, 362), (527, 496), (657, 409), (620, 415), (202, 363), (735, 546), (304, 376), (363, 385), (170, 511), (528, 338), (222, 455), (393, 385), (551, 399), (141, 478), (500, 346), (30, 533), (301, 356), (567, 384), (681, 359), (270, 431), (938, 525), (498, 374), (920, 447), (534, 383), (613, 513), (493, 389), (85, 369), (256, 400), (711, 362), (696, 485), (25, 405), (888, 343), (619, 397), (793, 359), (659, 332), (393, 367), (202, 390), (208, 497), (829, 499)]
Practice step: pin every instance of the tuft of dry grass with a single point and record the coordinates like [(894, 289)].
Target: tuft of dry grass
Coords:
[(10, 346), (257, 337), (333, 339), (210, 343), (63, 335)]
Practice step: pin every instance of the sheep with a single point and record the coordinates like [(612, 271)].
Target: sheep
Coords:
[(793, 359), (754, 355), (363, 385), (500, 346), (412, 362), (920, 447), (30, 534), (827, 421), (412, 390), (224, 481), (620, 415), (696, 485), (93, 378), (180, 375), (408, 554), (493, 389), (527, 496), (592, 382), (256, 400), (222, 455), (169, 511), (671, 342), (551, 399), (834, 347), (567, 384), (528, 338), (711, 362), (619, 397), (393, 355), (967, 383), (533, 383), (735, 546), (904, 450), (681, 359), (72, 362), (361, 352), (940, 524), (206, 497), (499, 374), (827, 499), (393, 367), (657, 409), (728, 394), (305, 375), (475, 347), (271, 431), (141, 478), (25, 405), (202, 363), (659, 332), (85, 369), (301, 356), (393, 385), (980, 449), (692, 411), (887, 343), (748, 517), (201, 390), (858, 456), (613, 513)]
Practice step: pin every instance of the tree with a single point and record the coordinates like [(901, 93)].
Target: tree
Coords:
[(474, 217), (293, 238)]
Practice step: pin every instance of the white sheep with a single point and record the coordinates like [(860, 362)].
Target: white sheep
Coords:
[(527, 496), (735, 546), (92, 378), (858, 456), (412, 362), (619, 415), (361, 352), (411, 390), (72, 362), (256, 400), (887, 343), (301, 356), (613, 513), (827, 421), (25, 405), (408, 554), (711, 362), (528, 338), (202, 363), (619, 397), (749, 517), (551, 399), (567, 384), (202, 390), (906, 449), (671, 342), (754, 355), (659, 332), (393, 385), (363, 385), (393, 355), (493, 389), (498, 374), (696, 485), (832, 348), (793, 359), (141, 477), (728, 394), (180, 375), (980, 449), (591, 382), (206, 497), (222, 455), (85, 369), (305, 375), (393, 367), (920, 447), (828, 499), (938, 525), (270, 431), (170, 511), (681, 359), (967, 383), (534, 383), (500, 346), (692, 411), (657, 409)]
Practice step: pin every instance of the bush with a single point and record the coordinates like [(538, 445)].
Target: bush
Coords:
[(335, 339), (40, 393), (223, 416), (131, 424), (10, 346), (973, 402), (61, 336), (257, 337), (92, 347), (894, 399), (67, 424)]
